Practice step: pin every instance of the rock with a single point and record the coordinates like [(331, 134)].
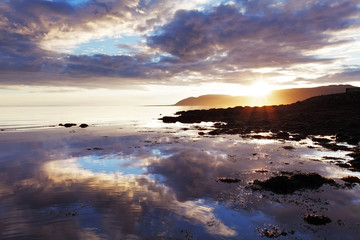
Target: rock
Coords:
[(351, 179), (228, 180), (335, 147), (288, 147), (317, 219), (67, 125), (282, 135), (97, 149), (83, 125), (322, 115), (288, 185), (273, 232), (298, 136), (355, 163), (321, 140)]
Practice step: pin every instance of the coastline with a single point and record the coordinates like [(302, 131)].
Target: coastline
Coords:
[(336, 115)]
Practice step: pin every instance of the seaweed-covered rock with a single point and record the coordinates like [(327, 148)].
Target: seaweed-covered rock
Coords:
[(290, 184), (317, 219)]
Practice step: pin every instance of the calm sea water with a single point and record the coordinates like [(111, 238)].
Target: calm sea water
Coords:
[(129, 176), (45, 116)]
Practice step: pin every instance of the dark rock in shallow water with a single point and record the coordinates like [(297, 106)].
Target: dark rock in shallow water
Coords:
[(351, 179), (228, 180), (98, 148), (288, 147), (83, 125), (355, 163), (317, 219), (67, 125), (288, 185), (321, 140), (282, 135), (335, 147), (273, 232)]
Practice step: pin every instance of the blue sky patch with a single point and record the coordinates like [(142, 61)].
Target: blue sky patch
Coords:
[(108, 46)]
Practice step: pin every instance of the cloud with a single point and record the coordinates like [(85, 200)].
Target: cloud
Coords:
[(185, 44), (251, 35), (34, 34), (350, 75)]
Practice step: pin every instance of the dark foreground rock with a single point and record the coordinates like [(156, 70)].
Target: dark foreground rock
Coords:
[(83, 125), (317, 219), (290, 184)]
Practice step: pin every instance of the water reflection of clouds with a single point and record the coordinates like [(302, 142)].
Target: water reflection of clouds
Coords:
[(190, 173), (133, 192), (113, 163), (134, 181)]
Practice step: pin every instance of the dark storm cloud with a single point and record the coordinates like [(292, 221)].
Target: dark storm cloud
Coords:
[(219, 42)]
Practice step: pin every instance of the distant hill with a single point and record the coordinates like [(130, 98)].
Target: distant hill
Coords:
[(276, 97)]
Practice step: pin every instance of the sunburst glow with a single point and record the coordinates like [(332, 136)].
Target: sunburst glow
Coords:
[(259, 89)]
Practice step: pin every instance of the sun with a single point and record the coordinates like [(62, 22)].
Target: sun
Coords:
[(258, 89)]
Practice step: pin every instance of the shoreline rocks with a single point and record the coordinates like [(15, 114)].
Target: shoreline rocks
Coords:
[(69, 125), (335, 114), (289, 184)]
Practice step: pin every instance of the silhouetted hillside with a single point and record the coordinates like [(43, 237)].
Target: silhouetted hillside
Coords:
[(276, 97), (214, 100)]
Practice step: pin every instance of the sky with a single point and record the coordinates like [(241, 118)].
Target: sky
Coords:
[(63, 52)]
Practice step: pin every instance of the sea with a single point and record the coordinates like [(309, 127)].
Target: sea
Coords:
[(128, 175)]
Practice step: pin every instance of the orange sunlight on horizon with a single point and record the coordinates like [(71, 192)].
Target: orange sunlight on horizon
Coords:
[(259, 89), (258, 94)]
